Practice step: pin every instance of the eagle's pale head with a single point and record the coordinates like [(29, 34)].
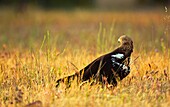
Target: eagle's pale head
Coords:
[(126, 42)]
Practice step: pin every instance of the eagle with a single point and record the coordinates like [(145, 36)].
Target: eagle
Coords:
[(109, 68)]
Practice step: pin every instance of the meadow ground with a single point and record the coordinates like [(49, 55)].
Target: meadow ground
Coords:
[(38, 47)]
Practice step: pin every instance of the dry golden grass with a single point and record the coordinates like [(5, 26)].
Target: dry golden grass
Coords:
[(30, 66), (34, 75)]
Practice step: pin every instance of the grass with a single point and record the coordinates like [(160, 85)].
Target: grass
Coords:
[(38, 47)]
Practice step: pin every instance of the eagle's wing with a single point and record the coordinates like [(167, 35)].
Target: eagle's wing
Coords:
[(119, 64)]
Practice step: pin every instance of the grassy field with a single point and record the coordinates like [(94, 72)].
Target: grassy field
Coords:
[(38, 47)]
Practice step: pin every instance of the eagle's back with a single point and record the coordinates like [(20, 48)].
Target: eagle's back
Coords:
[(104, 65)]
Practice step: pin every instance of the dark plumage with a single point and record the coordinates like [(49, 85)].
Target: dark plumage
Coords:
[(109, 67)]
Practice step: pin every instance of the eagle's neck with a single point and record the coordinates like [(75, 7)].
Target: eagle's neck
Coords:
[(127, 49)]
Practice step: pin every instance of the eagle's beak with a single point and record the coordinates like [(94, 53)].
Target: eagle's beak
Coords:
[(119, 40)]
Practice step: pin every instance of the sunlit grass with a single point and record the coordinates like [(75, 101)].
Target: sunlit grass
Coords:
[(147, 85), (30, 65)]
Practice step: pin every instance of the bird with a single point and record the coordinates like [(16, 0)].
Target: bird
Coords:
[(108, 68)]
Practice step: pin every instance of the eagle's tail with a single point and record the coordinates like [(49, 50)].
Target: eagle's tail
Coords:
[(67, 80)]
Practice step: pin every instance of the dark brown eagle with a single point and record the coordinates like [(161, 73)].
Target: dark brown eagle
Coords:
[(107, 68)]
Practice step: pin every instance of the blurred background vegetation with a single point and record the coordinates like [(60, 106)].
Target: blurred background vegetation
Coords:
[(67, 4), (23, 23)]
